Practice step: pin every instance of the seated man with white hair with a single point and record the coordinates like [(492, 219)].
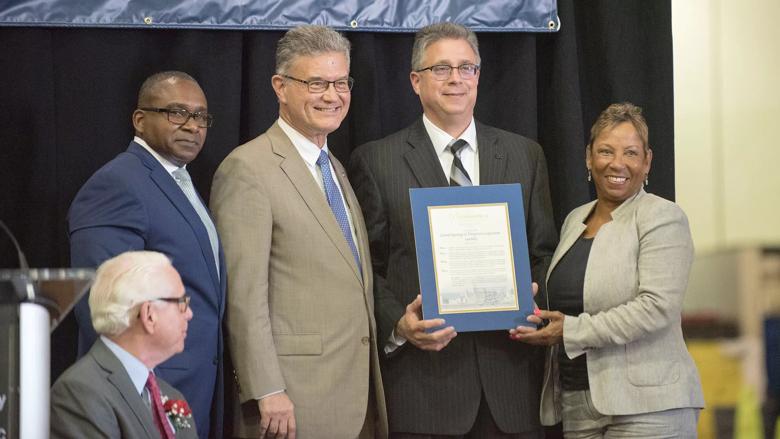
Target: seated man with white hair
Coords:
[(139, 308)]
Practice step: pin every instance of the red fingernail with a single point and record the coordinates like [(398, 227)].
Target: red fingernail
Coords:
[(537, 312)]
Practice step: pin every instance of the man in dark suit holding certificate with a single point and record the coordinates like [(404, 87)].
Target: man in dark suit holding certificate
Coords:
[(479, 384)]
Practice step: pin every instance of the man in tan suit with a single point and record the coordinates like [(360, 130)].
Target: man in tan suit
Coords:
[(300, 319)]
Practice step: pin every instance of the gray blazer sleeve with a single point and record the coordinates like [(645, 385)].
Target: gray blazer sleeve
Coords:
[(663, 263)]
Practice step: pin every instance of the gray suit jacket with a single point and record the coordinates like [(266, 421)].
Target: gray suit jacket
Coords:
[(95, 398), (440, 392), (300, 311), (635, 282)]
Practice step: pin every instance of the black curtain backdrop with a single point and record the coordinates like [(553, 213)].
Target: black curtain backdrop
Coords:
[(66, 96)]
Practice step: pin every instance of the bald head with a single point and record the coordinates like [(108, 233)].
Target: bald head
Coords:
[(152, 85)]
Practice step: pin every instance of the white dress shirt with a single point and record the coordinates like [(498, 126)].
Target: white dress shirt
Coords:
[(469, 155), (170, 167)]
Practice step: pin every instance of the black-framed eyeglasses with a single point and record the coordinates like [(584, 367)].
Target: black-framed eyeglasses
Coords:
[(180, 116), (320, 85), (442, 72), (183, 301)]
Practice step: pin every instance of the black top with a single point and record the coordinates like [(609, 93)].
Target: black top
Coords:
[(565, 292)]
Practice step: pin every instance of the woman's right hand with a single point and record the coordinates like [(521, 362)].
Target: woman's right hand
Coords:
[(548, 335)]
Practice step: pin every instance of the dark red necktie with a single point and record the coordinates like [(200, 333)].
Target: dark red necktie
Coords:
[(158, 413)]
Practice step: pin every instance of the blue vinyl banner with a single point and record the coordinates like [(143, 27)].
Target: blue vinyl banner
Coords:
[(352, 15)]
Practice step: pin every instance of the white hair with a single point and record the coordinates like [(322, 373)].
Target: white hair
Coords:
[(121, 284)]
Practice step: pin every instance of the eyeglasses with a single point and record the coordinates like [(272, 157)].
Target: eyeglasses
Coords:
[(180, 116), (442, 72), (321, 85), (183, 301)]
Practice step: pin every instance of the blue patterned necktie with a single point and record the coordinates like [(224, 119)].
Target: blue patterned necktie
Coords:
[(184, 181), (458, 174), (336, 202)]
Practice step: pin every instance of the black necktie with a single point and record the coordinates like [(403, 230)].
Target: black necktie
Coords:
[(458, 174)]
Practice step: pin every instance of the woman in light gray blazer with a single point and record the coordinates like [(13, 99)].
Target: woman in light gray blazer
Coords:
[(618, 365)]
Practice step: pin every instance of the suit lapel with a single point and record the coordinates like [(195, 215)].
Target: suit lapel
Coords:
[(577, 225), (570, 234), (173, 192), (293, 166), (492, 157), (422, 159), (117, 376)]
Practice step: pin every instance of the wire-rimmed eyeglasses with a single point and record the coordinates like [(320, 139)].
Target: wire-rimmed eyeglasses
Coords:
[(343, 85), (442, 72)]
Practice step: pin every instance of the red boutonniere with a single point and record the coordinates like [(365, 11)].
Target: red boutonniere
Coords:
[(178, 411)]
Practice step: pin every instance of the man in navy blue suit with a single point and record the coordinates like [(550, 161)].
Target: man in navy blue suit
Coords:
[(144, 200)]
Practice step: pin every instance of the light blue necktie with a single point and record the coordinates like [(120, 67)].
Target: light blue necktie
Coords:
[(184, 181), (336, 202)]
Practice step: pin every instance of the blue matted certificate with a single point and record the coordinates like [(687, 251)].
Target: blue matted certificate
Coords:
[(472, 256)]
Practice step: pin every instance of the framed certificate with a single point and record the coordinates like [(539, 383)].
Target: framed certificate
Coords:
[(472, 256)]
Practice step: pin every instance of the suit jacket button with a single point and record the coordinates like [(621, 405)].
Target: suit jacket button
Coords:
[(364, 340)]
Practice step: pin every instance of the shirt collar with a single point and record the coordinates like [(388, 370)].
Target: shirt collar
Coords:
[(441, 139), (137, 370), (308, 150), (170, 167)]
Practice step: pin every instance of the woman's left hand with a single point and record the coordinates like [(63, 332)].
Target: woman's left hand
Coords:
[(545, 336)]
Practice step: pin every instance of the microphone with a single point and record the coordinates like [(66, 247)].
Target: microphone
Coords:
[(22, 260), (23, 286)]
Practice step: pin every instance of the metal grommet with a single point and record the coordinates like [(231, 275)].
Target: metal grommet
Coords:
[(353, 24), (551, 24), (148, 20)]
